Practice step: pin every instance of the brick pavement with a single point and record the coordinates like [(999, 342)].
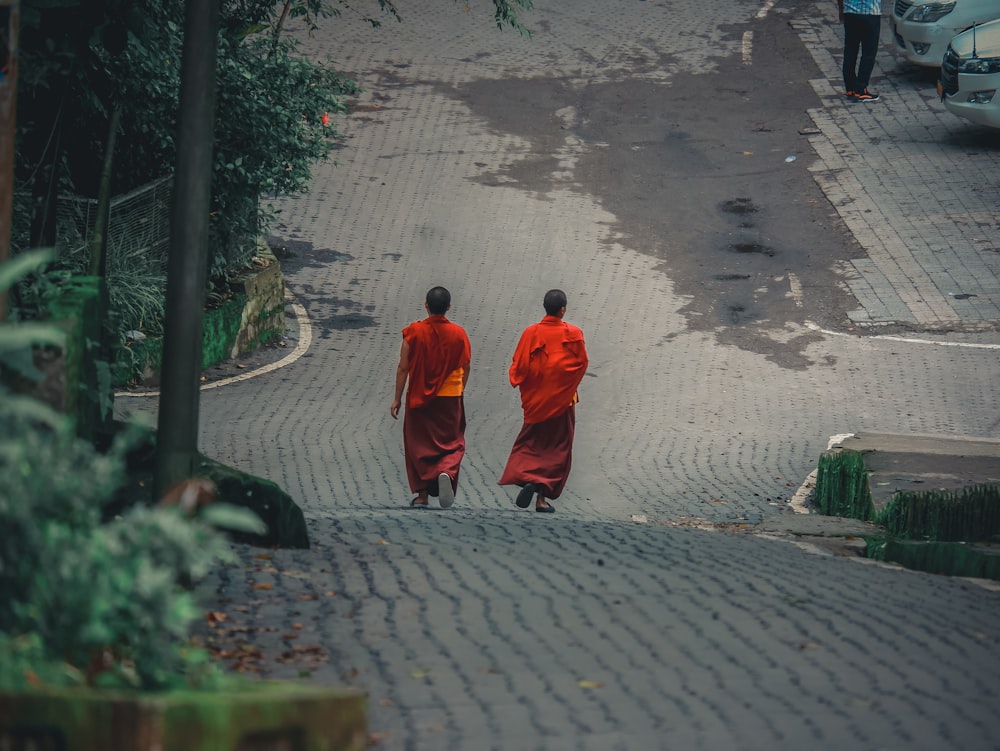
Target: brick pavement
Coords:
[(486, 627), (917, 187)]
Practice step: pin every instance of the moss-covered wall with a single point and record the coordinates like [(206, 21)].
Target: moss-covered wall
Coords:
[(965, 514), (286, 715), (842, 485), (253, 316), (945, 558)]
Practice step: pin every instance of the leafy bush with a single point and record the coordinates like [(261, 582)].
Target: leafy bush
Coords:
[(270, 103), (86, 597)]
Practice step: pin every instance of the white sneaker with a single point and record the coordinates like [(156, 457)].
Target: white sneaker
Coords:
[(446, 492)]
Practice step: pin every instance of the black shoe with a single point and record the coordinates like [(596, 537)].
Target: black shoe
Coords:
[(866, 96), (549, 509), (524, 497)]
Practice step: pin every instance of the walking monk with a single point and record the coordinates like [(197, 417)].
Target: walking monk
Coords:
[(435, 358), (549, 363)]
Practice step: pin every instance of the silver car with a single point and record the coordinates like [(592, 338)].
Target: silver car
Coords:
[(970, 75), (923, 28)]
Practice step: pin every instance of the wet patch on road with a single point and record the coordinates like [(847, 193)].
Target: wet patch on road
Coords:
[(699, 173)]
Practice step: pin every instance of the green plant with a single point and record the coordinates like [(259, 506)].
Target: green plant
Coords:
[(101, 596)]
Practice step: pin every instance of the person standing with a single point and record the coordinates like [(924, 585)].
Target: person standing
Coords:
[(548, 365), (435, 358), (862, 26)]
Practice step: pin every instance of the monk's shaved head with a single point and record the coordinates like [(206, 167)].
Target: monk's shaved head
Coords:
[(555, 300), (438, 301)]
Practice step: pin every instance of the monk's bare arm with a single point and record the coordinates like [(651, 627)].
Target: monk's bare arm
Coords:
[(402, 371)]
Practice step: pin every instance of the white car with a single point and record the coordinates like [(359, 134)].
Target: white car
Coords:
[(970, 75), (923, 28)]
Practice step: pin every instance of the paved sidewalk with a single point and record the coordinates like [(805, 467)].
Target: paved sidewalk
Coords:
[(916, 185), (616, 623)]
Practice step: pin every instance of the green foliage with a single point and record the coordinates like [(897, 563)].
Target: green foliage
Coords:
[(93, 589), (79, 58), (18, 338), (83, 594), (25, 664)]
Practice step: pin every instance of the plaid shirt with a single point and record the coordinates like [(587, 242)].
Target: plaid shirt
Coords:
[(863, 7)]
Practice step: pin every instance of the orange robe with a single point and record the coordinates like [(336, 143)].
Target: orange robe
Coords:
[(549, 363)]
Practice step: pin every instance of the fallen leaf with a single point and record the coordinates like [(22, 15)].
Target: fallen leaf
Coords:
[(262, 585), (381, 542), (215, 617), (330, 593), (591, 684), (309, 596), (264, 556), (420, 673), (808, 645), (387, 703)]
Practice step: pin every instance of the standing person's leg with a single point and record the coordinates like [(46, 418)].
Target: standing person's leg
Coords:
[(871, 31), (853, 32)]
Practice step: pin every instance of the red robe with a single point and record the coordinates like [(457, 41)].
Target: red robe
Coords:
[(549, 363), (433, 426), (437, 348)]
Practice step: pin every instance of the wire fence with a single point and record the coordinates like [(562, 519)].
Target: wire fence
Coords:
[(138, 220)]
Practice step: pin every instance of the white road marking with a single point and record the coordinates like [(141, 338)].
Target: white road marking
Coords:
[(765, 8), (909, 340), (795, 289), (747, 47)]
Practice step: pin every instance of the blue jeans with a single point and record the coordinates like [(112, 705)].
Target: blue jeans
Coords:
[(860, 33)]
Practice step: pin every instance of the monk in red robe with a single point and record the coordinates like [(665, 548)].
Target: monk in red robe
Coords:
[(434, 358), (549, 363)]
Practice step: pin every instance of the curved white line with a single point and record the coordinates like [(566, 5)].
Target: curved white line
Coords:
[(908, 340), (305, 340)]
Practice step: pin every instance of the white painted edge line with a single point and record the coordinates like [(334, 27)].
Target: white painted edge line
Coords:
[(765, 8), (798, 501), (908, 340), (305, 341)]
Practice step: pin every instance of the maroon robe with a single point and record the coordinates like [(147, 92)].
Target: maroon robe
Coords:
[(543, 454), (434, 442)]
